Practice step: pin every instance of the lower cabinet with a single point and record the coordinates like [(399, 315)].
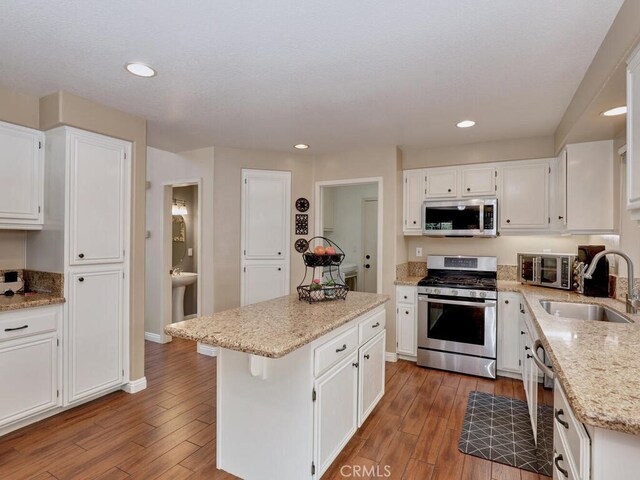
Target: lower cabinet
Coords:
[(509, 356), (95, 333), (529, 368), (29, 367), (407, 321), (336, 412), (345, 396)]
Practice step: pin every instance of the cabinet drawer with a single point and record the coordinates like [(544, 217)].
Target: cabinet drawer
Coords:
[(562, 465), (572, 431), (371, 326), (406, 295), (22, 323), (335, 350)]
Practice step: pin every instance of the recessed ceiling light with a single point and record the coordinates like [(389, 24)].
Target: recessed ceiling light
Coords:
[(465, 124), (615, 111), (301, 146), (140, 70)]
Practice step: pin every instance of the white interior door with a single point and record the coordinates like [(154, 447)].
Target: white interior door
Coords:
[(97, 179), (95, 336), (370, 245)]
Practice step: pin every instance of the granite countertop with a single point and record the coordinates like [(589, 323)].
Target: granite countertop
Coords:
[(409, 281), (597, 363), (18, 302), (275, 327)]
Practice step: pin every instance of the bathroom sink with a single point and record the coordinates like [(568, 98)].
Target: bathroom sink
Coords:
[(583, 311), (183, 279)]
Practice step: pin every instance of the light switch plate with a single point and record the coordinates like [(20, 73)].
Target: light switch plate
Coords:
[(418, 251), (190, 252)]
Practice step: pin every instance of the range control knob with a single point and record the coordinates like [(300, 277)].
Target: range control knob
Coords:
[(436, 291), (472, 293), (483, 294), (454, 292)]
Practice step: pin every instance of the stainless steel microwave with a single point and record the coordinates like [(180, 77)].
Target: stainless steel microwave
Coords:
[(460, 218), (547, 269)]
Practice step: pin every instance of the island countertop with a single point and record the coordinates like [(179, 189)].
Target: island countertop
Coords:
[(276, 327)]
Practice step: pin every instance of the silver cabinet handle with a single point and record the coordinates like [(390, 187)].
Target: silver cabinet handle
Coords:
[(375, 325), (546, 370), (344, 347), (557, 413), (557, 461)]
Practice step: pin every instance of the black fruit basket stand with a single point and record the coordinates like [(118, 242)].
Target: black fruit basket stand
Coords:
[(332, 285)]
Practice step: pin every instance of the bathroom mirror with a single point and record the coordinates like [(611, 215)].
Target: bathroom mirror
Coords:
[(179, 236)]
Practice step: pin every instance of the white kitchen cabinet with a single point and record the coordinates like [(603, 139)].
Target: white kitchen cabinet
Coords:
[(590, 195), (406, 321), (529, 368), (22, 178), (479, 181), (95, 341), (263, 281), (328, 209), (558, 193), (524, 195), (633, 134), (29, 363), (509, 356), (266, 206), (98, 177), (335, 411), (371, 376), (414, 194), (442, 183)]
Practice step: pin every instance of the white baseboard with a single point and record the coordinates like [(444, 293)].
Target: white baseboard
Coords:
[(207, 350), (152, 337), (408, 358), (135, 386), (390, 357)]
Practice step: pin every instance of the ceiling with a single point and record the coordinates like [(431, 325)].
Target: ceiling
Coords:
[(336, 75)]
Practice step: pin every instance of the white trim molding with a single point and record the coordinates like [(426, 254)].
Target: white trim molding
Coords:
[(208, 350), (135, 386), (157, 338), (390, 357)]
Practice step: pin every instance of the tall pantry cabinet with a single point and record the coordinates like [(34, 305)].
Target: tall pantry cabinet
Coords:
[(86, 236)]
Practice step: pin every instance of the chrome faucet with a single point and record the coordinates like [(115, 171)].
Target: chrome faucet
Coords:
[(632, 300)]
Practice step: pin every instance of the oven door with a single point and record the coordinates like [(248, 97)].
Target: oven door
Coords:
[(450, 324)]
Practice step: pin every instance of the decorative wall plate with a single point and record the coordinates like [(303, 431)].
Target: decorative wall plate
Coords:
[(302, 224), (302, 204), (301, 245)]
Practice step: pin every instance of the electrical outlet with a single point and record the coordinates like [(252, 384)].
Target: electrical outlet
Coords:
[(418, 251), (190, 252)]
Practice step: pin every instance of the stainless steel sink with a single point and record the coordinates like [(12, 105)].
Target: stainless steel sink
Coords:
[(583, 311)]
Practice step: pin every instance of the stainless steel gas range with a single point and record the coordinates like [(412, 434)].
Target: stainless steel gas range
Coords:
[(457, 327)]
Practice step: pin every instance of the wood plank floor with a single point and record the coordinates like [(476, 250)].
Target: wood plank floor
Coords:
[(168, 430)]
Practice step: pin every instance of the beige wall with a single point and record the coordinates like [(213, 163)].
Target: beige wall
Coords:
[(498, 151), (63, 108), (374, 162), (228, 163), (12, 249)]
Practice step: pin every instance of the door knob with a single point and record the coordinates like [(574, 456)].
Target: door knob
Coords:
[(367, 265), (367, 257)]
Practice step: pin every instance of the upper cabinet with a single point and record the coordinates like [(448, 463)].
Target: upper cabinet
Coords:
[(442, 183), (633, 134), (22, 178), (524, 199), (478, 181), (414, 194), (97, 198)]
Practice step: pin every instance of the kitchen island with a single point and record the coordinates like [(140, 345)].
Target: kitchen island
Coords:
[(294, 381)]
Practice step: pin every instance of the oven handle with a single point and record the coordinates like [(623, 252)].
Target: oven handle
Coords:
[(485, 304), (538, 361)]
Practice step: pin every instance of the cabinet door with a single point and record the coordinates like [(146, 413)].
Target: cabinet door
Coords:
[(371, 381), (442, 182), (559, 192), (414, 194), (94, 337), (529, 373), (525, 196), (509, 356), (28, 375), (406, 330), (478, 181), (335, 411), (263, 281), (21, 181), (266, 211), (98, 180), (633, 134)]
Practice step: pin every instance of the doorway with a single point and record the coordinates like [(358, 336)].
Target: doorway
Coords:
[(347, 212)]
